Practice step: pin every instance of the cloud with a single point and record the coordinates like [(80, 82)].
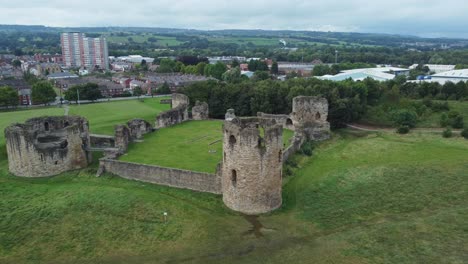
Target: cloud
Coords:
[(416, 17)]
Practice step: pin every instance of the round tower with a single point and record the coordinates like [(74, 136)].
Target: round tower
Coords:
[(252, 165), (47, 146)]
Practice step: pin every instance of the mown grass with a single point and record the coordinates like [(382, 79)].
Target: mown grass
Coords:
[(103, 117), (361, 198), (194, 145)]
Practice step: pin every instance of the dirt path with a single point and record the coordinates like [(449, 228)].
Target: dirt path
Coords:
[(67, 109), (371, 128)]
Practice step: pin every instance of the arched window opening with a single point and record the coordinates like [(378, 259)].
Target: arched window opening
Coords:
[(46, 126), (289, 122), (317, 116), (66, 124), (232, 140)]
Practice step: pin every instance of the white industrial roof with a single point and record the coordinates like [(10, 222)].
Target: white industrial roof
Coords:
[(452, 74)]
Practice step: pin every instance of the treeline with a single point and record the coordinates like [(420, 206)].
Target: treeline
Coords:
[(348, 100)]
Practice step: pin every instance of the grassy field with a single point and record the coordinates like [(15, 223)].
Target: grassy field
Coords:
[(161, 40), (361, 198), (194, 145), (379, 116), (103, 117)]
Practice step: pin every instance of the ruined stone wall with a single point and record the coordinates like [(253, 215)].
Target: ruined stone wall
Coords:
[(101, 141), (284, 120), (309, 117), (197, 181), (122, 138), (252, 165), (138, 128), (230, 114), (179, 99), (48, 146), (296, 144), (178, 113), (200, 111)]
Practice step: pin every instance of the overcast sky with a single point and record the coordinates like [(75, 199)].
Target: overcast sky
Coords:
[(428, 18)]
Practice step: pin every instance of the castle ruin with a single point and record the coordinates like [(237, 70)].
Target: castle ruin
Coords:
[(252, 165), (178, 113), (200, 111), (47, 146), (309, 117), (249, 176)]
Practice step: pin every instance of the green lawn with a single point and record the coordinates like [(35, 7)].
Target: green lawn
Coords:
[(103, 117), (361, 198), (194, 145)]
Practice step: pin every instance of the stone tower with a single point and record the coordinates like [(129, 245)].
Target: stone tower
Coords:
[(48, 146), (309, 116), (252, 165)]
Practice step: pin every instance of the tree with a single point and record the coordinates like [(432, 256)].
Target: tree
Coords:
[(166, 66), (217, 70), (261, 75), (464, 133), (16, 63), (88, 91), (137, 91), (274, 68), (404, 117), (43, 93), (164, 89), (447, 133), (232, 76), (8, 96)]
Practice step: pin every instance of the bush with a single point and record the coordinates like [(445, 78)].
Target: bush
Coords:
[(439, 107), (464, 133), (444, 120), (447, 133), (457, 122), (403, 130), (404, 117), (307, 148)]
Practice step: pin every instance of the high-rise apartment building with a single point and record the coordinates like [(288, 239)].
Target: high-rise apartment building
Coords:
[(81, 51)]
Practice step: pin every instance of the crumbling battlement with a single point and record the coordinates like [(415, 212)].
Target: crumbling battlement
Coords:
[(200, 111), (252, 164), (178, 113), (284, 120), (122, 138), (230, 114), (138, 128), (309, 117), (47, 146)]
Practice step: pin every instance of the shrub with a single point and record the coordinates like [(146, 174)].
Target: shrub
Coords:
[(307, 148), (403, 130), (439, 107), (404, 117), (464, 133), (447, 133), (444, 120), (457, 122)]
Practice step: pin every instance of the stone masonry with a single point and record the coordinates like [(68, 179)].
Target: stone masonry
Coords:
[(309, 117), (138, 128), (230, 114), (178, 113), (252, 165), (48, 146), (200, 111)]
